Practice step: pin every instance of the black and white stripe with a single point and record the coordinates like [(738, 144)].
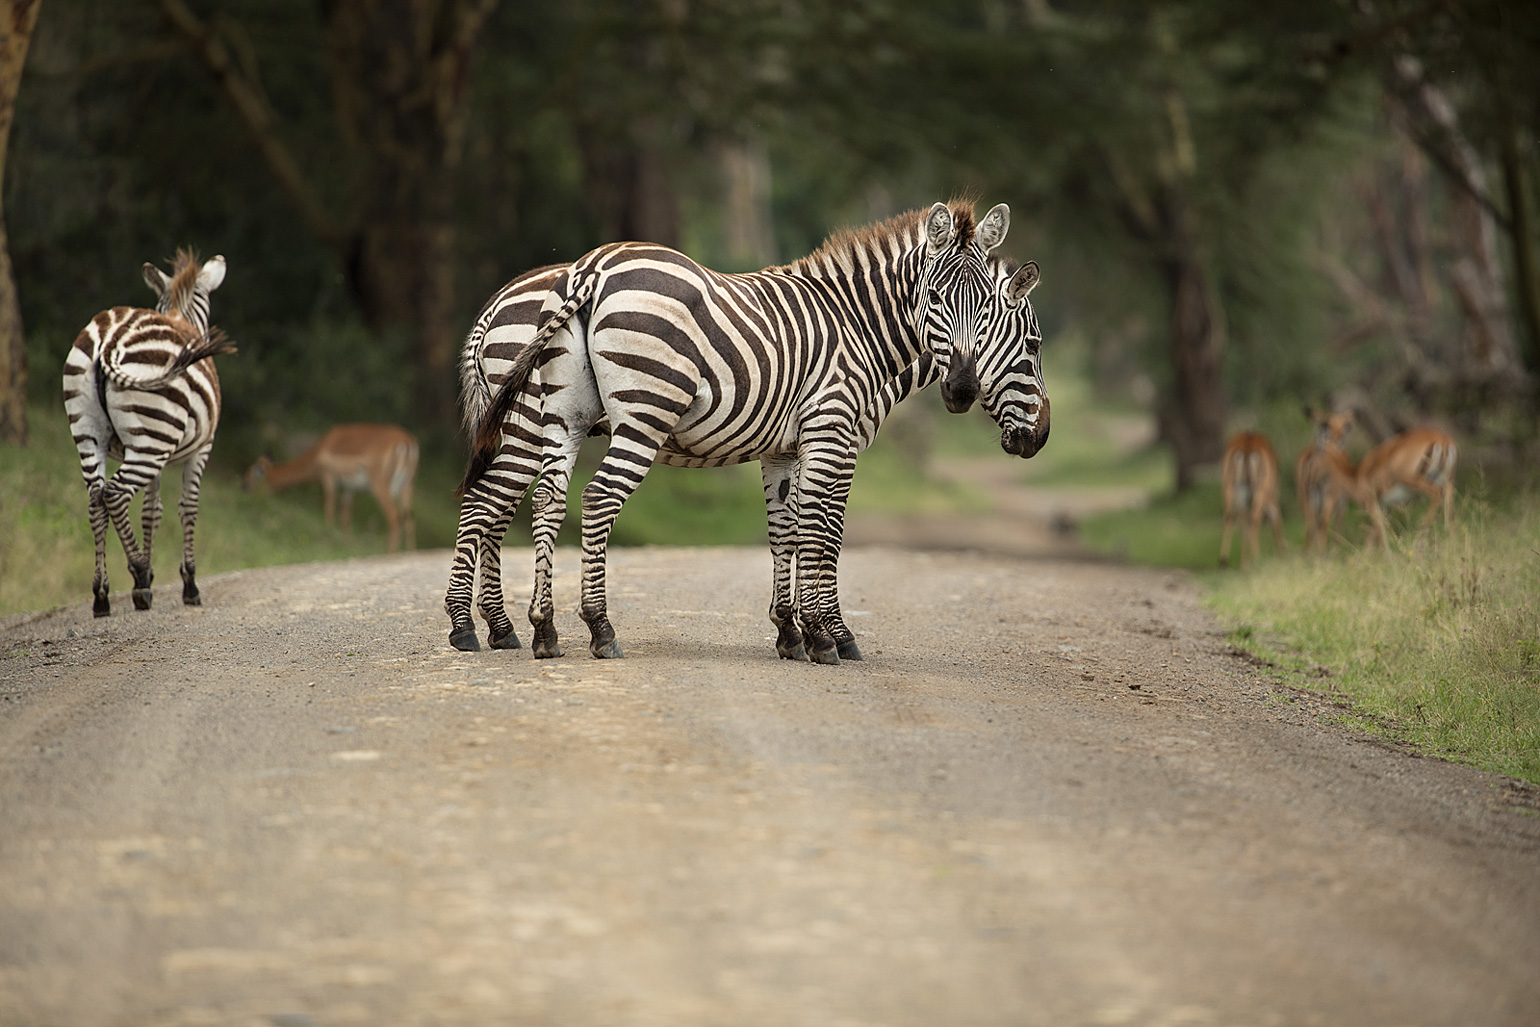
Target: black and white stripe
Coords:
[(794, 366), (140, 387)]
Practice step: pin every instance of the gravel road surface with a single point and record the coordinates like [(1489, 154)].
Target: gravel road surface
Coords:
[(1050, 795)]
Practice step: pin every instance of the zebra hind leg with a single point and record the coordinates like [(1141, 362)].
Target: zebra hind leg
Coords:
[(500, 631), (116, 495), (549, 509), (187, 513), (101, 605)]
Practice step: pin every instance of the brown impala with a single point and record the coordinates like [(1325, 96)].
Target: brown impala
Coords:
[(352, 457), (1320, 467), (1418, 461), (1249, 474)]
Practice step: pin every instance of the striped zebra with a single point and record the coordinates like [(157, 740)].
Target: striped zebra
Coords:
[(140, 387), (795, 366)]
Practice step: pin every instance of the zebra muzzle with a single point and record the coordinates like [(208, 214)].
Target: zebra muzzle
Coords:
[(960, 387)]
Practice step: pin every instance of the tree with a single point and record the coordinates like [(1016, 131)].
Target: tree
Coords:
[(19, 18), (400, 89)]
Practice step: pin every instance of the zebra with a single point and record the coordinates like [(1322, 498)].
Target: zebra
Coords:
[(852, 321), (140, 386), (489, 505)]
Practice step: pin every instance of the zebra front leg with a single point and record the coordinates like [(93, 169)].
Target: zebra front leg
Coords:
[(780, 479), (824, 487), (500, 631), (187, 512)]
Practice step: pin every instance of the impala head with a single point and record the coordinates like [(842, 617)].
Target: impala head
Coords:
[(185, 292), (956, 290), (1009, 363), (256, 475), (1330, 428)]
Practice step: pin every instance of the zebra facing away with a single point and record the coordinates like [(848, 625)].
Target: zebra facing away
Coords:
[(140, 387), (690, 367)]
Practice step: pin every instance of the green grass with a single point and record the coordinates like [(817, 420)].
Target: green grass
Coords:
[(1435, 645)]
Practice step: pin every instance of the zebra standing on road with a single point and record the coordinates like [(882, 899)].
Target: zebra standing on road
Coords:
[(693, 367), (140, 387)]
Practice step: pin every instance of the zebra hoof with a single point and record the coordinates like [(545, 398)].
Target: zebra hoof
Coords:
[(798, 652), (192, 600), (101, 607), (848, 650), (142, 597), (507, 640), (608, 651), (546, 652), (465, 640), (829, 657)]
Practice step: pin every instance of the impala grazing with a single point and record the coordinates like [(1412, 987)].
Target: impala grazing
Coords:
[(1420, 461), (140, 387), (1317, 473), (1249, 473), (350, 458)]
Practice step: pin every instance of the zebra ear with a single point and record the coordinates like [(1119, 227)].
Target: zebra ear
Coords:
[(992, 229), (1023, 282), (156, 279), (939, 228), (212, 275)]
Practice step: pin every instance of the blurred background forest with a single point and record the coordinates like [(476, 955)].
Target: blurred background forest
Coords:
[(1239, 207)]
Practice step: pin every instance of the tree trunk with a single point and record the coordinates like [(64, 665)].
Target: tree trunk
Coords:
[(17, 19), (1193, 414), (400, 82)]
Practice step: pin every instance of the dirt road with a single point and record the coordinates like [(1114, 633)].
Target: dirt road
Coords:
[(1049, 796)]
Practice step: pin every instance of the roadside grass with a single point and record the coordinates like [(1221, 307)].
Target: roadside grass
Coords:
[(1435, 645)]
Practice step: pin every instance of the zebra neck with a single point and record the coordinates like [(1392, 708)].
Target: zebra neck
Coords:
[(875, 288)]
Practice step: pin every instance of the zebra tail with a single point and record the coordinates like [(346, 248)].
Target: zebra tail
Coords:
[(486, 437), (211, 343), (475, 395)]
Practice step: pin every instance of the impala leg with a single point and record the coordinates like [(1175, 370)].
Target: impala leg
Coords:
[(1276, 516), (780, 480), (187, 513), (1226, 538), (381, 490)]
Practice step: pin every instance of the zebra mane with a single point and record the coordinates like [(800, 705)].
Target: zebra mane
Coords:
[(184, 279), (843, 246)]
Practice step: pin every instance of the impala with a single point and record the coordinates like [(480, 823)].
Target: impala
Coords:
[(1316, 474), (1249, 472), (1420, 461), (350, 458)]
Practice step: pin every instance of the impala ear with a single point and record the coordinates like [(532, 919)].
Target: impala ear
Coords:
[(939, 228), (212, 275), (991, 231), (156, 279), (1023, 281)]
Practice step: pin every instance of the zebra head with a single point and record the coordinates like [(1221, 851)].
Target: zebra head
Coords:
[(185, 292), (956, 293), (1009, 364)]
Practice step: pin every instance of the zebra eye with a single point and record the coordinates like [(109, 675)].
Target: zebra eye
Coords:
[(935, 297)]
